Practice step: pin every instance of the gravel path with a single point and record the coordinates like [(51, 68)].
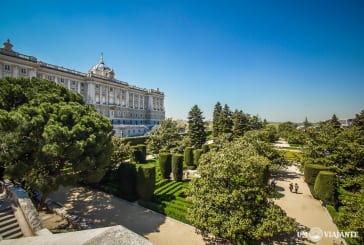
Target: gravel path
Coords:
[(106, 210), (302, 206)]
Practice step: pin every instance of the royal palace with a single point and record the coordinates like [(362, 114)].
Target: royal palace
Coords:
[(133, 111)]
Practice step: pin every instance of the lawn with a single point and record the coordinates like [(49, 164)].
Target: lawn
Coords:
[(169, 198)]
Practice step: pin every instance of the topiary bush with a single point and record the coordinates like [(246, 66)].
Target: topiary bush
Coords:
[(143, 149), (311, 171), (145, 184), (196, 156), (188, 156), (205, 148), (325, 187), (177, 167), (125, 179), (165, 164), (137, 155)]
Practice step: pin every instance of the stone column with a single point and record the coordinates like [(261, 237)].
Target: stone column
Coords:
[(126, 98)]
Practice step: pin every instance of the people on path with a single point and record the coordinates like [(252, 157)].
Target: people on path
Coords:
[(273, 183), (291, 187), (296, 187)]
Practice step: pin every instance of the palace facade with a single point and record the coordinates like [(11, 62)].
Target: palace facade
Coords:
[(133, 110)]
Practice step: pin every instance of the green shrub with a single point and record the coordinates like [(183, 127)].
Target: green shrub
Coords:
[(311, 171), (135, 140), (165, 164), (325, 187), (189, 156), (137, 155), (177, 167), (212, 146), (196, 156), (145, 182), (205, 148), (125, 180), (143, 149)]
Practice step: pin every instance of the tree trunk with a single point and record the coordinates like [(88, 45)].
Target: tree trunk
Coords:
[(42, 201)]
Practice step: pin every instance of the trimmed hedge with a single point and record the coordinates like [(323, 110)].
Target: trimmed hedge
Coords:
[(205, 148), (177, 167), (135, 140), (126, 180), (188, 156), (143, 149), (325, 187), (196, 156), (311, 171), (165, 165), (145, 182), (137, 155)]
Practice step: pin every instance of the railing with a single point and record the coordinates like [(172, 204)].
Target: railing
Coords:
[(60, 68)]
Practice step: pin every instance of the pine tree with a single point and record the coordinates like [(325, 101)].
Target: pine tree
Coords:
[(306, 123), (196, 128), (226, 121), (216, 127), (334, 122), (240, 123)]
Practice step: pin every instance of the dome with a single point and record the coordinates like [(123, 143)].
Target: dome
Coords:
[(102, 69)]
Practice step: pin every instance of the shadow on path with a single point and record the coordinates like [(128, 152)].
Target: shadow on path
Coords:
[(106, 210)]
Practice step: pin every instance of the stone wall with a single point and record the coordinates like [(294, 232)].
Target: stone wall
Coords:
[(21, 198)]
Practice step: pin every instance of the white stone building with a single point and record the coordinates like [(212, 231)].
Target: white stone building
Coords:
[(132, 110)]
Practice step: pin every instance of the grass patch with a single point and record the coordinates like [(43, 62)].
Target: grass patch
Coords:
[(169, 197)]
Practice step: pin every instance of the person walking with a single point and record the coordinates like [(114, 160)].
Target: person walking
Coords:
[(296, 187), (273, 184), (291, 187)]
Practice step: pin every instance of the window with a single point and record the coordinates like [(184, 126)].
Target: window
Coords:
[(7, 68), (61, 80), (50, 78), (23, 71)]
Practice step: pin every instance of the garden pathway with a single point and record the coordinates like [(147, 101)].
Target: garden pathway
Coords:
[(106, 210), (302, 206)]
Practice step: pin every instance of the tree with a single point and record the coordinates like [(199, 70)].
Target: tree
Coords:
[(255, 122), (230, 199), (240, 123), (216, 127), (196, 128), (359, 120), (49, 137), (164, 137), (121, 151), (306, 123), (226, 121), (334, 122)]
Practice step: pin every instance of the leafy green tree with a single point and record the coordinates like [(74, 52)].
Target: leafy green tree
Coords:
[(230, 199), (216, 127), (121, 151), (49, 137), (196, 128), (164, 137)]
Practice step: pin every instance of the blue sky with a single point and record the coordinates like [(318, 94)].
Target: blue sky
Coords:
[(282, 60)]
